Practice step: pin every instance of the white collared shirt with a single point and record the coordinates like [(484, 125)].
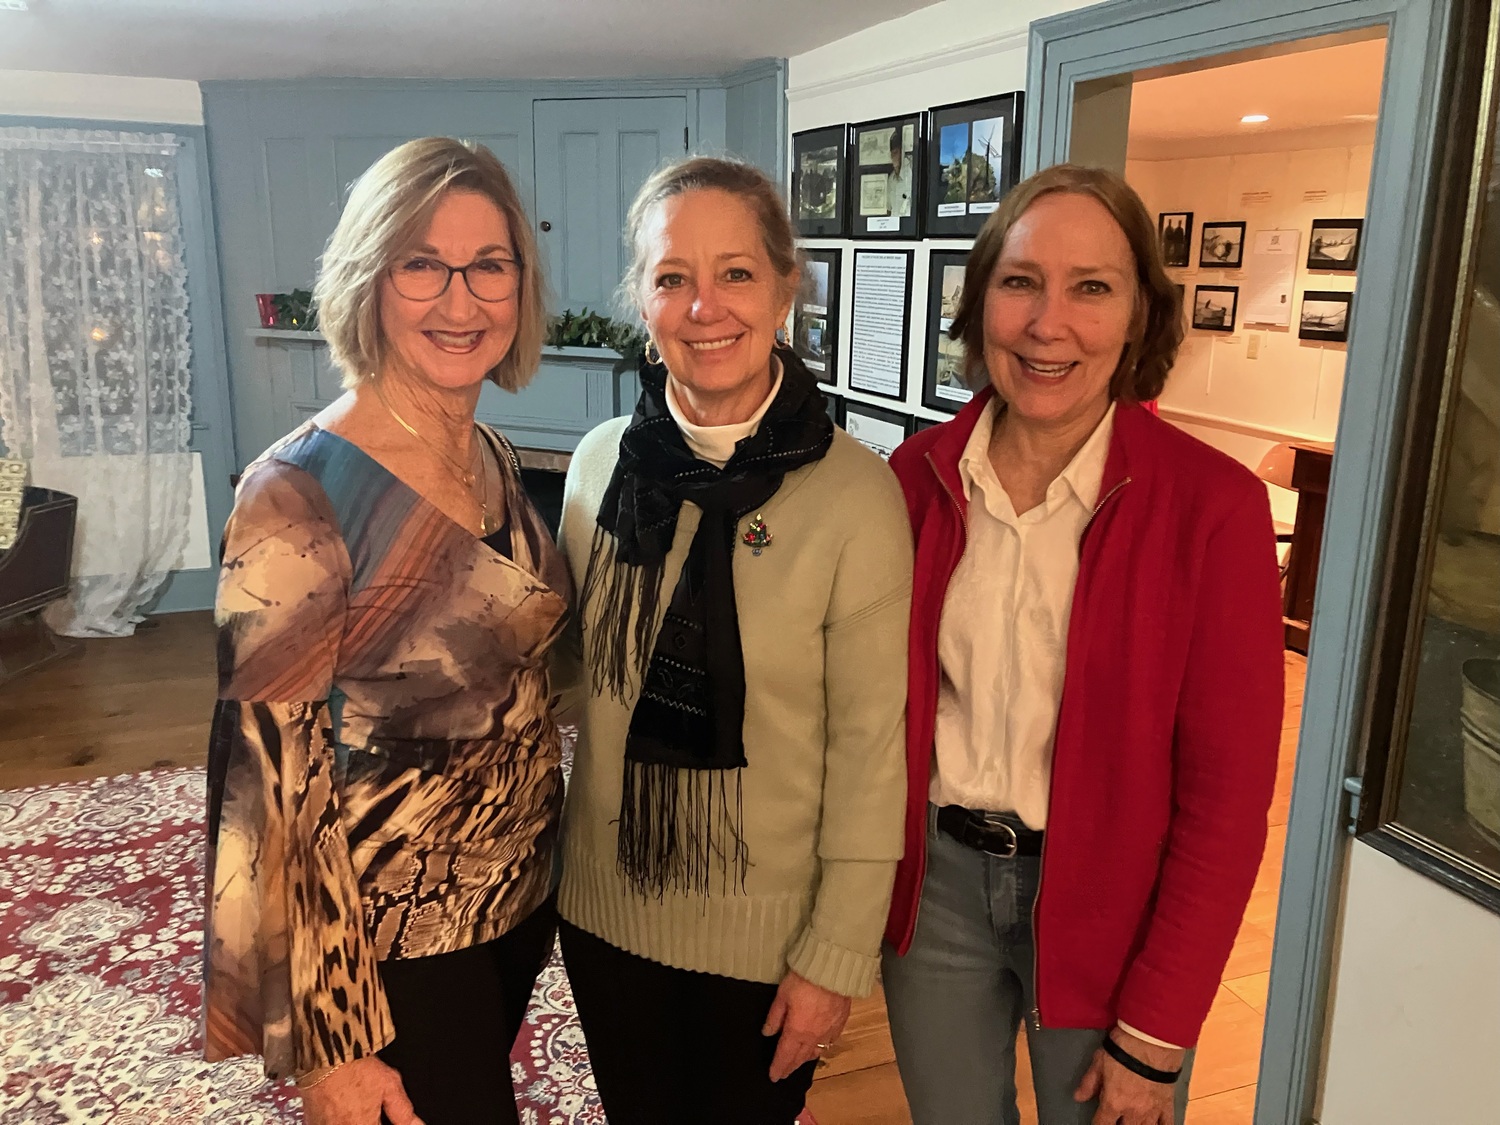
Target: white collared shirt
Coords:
[(715, 444), (1002, 640)]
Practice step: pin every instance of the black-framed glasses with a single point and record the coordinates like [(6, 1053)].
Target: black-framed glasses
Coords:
[(427, 279)]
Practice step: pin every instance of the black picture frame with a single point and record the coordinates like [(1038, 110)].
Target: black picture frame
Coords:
[(1221, 246), (815, 314), (861, 254), (1211, 316), (957, 124), (874, 189), (1328, 319), (835, 407), (1174, 235), (920, 424), (943, 385), (855, 411), (819, 168), (1333, 244)]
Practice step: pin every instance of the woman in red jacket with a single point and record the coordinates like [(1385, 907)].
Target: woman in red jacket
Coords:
[(1095, 664)]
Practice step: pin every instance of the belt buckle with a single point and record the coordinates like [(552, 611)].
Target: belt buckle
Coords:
[(991, 822)]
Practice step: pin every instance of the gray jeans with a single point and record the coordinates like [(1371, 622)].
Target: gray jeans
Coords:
[(958, 996)]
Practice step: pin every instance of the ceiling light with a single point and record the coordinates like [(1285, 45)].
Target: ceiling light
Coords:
[(1253, 119)]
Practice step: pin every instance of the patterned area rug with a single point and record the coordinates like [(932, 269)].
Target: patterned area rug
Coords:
[(100, 982)]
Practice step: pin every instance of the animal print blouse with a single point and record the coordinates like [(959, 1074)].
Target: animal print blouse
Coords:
[(384, 769)]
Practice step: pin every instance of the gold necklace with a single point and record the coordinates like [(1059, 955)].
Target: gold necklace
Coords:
[(464, 475)]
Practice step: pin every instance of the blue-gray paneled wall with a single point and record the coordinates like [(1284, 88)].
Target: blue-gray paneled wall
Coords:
[(282, 155)]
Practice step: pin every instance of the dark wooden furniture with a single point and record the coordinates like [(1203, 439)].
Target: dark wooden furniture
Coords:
[(1311, 467), (35, 571)]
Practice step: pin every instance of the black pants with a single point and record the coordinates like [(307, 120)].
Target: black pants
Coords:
[(457, 1016), (674, 1047)]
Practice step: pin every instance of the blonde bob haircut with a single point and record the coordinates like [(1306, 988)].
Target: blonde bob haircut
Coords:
[(390, 207), (1156, 330)]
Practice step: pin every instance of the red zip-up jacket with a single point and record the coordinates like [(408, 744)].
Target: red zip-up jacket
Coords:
[(1167, 734)]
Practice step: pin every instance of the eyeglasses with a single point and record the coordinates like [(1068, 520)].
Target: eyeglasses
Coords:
[(427, 279)]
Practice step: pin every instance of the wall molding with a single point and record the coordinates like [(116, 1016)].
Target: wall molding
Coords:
[(1013, 40), (1233, 425)]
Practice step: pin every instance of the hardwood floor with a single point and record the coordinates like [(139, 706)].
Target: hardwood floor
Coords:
[(145, 702)]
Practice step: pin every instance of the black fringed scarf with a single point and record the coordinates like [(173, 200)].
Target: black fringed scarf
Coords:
[(677, 826)]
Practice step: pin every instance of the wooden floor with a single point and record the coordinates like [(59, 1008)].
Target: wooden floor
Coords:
[(144, 702)]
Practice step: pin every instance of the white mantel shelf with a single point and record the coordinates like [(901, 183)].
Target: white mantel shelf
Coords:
[(298, 336)]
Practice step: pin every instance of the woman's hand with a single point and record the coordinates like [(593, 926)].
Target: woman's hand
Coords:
[(809, 1019), (356, 1093), (1125, 1098)]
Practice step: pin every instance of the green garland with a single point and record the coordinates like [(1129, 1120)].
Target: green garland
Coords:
[(595, 330)]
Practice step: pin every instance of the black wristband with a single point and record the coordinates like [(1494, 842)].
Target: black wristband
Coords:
[(1135, 1066)]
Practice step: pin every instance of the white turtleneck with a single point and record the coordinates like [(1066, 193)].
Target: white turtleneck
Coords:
[(715, 444)]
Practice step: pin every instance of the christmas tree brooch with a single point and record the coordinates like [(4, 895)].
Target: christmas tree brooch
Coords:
[(758, 537)]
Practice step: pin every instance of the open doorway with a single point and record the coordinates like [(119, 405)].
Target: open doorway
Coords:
[(1257, 166)]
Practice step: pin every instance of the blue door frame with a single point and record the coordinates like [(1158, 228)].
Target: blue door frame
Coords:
[(1125, 36)]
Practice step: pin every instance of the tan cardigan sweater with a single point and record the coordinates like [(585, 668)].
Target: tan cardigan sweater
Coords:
[(823, 619)]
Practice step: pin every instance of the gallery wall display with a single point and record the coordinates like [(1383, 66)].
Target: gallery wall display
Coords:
[(815, 315), (1214, 307), (1334, 244), (1325, 315), (1222, 246), (884, 181), (943, 384), (876, 427), (819, 208), (973, 159), (1174, 230), (920, 424), (880, 323)]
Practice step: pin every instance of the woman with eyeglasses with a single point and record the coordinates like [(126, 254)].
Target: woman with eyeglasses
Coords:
[(384, 770)]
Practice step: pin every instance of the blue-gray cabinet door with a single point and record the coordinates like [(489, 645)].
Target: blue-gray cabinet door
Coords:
[(592, 155)]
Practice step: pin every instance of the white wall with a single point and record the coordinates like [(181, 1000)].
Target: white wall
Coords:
[(949, 52), (37, 93), (1414, 1026)]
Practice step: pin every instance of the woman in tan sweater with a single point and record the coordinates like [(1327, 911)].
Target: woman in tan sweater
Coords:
[(734, 817)]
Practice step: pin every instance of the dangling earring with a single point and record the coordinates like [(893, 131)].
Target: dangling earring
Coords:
[(653, 355)]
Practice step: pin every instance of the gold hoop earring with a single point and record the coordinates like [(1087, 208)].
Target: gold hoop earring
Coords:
[(653, 354)]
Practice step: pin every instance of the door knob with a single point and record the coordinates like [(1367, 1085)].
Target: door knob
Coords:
[(546, 226)]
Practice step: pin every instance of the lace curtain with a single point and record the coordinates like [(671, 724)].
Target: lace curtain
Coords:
[(94, 357)]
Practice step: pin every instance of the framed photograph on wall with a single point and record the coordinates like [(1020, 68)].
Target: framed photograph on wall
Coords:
[(1174, 231), (1214, 307), (884, 183), (973, 159), (815, 314), (1334, 244), (943, 384), (1325, 315), (835, 407), (1222, 246), (876, 427), (880, 322), (819, 209)]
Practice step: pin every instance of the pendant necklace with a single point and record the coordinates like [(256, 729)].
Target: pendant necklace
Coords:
[(465, 476)]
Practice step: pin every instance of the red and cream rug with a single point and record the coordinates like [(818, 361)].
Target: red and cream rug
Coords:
[(101, 888)]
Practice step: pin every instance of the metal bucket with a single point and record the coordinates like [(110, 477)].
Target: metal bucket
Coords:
[(1480, 719)]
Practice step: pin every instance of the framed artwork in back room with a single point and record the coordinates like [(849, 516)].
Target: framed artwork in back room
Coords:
[(1325, 315), (884, 181), (819, 209), (1222, 246), (973, 159), (943, 384), (1334, 244), (1214, 307), (815, 314), (1174, 233)]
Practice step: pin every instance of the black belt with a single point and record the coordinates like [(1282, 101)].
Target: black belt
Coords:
[(988, 832)]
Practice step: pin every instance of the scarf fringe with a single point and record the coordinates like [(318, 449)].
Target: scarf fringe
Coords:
[(611, 590), (678, 827)]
